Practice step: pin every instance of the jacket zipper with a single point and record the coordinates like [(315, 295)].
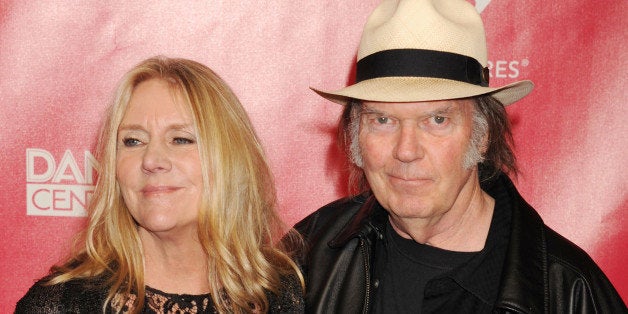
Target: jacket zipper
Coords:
[(367, 294)]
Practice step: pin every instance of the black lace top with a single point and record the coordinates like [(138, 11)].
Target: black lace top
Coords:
[(87, 296), (161, 302)]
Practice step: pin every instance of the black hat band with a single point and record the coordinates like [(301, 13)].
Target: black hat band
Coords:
[(422, 63)]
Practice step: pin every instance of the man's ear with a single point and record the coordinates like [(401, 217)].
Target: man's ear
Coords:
[(484, 144)]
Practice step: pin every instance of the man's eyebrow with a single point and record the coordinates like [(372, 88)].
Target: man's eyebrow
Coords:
[(444, 110), (368, 110), (448, 109)]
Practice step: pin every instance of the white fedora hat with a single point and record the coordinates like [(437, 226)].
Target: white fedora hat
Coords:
[(424, 50)]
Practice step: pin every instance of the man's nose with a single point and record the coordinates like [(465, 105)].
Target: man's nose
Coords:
[(409, 146)]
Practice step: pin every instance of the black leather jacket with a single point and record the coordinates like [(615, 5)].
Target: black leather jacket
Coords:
[(543, 272)]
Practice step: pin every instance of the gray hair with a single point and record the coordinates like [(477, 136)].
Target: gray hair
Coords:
[(473, 155)]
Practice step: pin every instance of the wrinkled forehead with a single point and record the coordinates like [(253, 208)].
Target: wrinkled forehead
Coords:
[(423, 108)]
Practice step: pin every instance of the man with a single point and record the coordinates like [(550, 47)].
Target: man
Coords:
[(438, 226)]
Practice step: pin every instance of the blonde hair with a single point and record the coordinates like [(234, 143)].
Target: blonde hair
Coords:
[(239, 228)]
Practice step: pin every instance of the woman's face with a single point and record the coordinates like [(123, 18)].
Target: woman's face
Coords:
[(158, 165)]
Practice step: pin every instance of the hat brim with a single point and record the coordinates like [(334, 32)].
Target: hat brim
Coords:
[(414, 89)]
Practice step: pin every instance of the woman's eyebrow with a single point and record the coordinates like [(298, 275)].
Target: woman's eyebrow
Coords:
[(130, 127), (182, 127), (138, 127)]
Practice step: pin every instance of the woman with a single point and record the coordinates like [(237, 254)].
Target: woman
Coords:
[(183, 214)]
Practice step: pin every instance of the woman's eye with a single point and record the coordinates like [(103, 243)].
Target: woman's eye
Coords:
[(130, 142), (182, 140)]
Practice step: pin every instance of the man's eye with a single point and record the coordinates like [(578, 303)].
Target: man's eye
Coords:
[(130, 142), (382, 120), (379, 122), (439, 119), (182, 140)]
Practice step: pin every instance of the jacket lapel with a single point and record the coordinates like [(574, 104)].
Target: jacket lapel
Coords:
[(524, 277), (370, 217)]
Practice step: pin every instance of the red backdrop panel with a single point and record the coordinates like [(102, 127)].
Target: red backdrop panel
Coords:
[(59, 62)]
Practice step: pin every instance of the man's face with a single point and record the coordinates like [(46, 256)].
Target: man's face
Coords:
[(413, 155)]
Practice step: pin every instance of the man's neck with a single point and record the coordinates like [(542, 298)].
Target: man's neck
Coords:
[(463, 228)]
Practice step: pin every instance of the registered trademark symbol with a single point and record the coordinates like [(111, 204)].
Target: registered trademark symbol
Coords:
[(525, 62)]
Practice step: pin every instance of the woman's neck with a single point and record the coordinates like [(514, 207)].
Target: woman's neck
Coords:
[(174, 264)]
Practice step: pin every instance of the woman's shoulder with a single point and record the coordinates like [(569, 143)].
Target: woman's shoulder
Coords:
[(74, 296), (290, 297)]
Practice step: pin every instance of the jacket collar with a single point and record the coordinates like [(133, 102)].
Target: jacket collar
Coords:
[(524, 283), (369, 219)]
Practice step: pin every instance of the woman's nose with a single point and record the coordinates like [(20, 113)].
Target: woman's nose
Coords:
[(156, 158)]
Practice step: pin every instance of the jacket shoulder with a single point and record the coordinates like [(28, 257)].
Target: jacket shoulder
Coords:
[(562, 250), (331, 217), (579, 277)]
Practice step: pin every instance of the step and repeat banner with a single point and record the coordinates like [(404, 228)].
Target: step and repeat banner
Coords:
[(60, 61)]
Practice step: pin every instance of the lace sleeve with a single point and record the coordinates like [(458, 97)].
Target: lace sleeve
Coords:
[(70, 297), (290, 298)]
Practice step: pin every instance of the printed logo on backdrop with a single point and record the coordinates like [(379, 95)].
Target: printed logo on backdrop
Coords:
[(59, 187), (503, 69), (506, 69)]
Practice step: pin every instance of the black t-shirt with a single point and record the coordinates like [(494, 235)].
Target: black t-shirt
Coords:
[(407, 269), (441, 276)]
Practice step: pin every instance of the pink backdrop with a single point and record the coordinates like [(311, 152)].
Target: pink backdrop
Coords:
[(59, 62)]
